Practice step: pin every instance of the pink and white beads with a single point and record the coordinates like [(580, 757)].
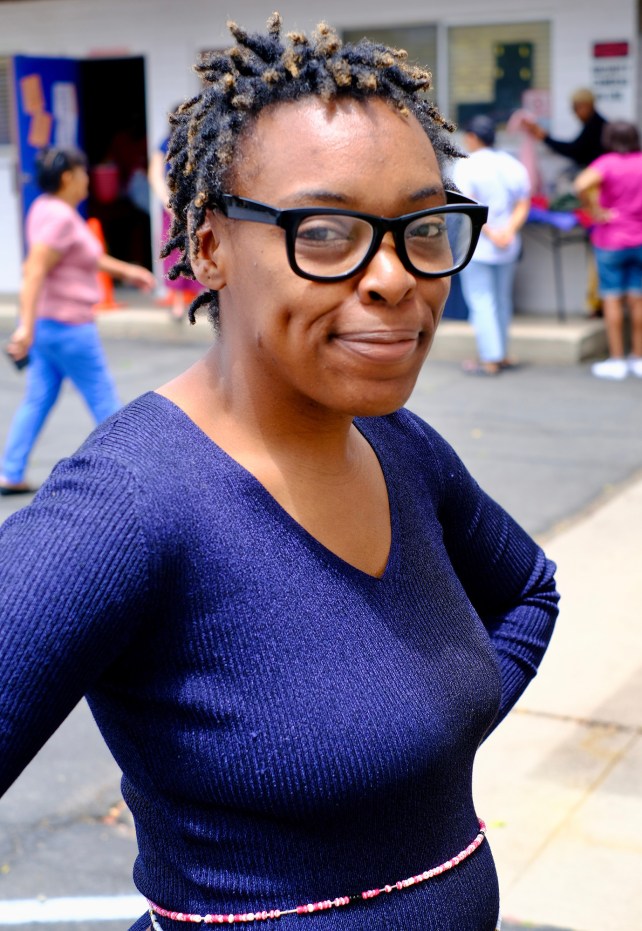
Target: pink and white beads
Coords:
[(324, 905)]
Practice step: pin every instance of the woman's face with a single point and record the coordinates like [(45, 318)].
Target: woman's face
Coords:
[(74, 184), (356, 346)]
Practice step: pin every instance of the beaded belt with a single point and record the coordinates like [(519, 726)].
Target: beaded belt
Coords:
[(323, 906)]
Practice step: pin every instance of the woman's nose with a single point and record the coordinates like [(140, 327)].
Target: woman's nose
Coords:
[(385, 277)]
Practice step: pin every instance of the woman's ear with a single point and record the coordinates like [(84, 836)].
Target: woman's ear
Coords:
[(207, 262), (66, 178)]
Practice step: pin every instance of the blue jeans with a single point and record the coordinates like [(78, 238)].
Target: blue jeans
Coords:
[(59, 351), (488, 292), (619, 271)]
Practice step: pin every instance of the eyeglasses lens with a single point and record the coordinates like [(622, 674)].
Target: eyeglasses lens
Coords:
[(438, 243), (328, 245)]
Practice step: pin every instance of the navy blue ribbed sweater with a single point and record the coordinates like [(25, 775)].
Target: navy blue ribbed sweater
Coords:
[(290, 729)]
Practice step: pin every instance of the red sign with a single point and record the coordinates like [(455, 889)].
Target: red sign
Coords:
[(610, 49)]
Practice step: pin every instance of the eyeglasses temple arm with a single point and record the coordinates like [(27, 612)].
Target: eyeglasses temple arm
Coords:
[(239, 210)]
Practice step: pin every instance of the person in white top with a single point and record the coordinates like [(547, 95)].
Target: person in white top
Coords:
[(498, 180)]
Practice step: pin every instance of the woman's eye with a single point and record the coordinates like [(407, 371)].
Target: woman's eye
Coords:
[(430, 229), (323, 231)]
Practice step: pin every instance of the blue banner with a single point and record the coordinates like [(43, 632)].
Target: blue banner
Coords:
[(47, 105)]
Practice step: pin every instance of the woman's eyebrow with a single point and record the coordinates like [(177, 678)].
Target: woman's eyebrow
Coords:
[(432, 190), (304, 197)]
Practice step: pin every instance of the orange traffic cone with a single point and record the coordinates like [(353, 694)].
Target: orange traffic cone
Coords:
[(104, 280)]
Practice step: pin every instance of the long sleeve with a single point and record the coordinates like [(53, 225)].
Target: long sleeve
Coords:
[(505, 574), (572, 148), (586, 147), (73, 581)]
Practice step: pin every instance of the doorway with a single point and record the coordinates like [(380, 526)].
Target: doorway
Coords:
[(114, 136)]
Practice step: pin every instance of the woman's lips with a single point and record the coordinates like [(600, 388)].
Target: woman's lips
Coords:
[(380, 346)]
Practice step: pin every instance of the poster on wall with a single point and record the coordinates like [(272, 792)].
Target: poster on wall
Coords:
[(612, 79), (46, 92)]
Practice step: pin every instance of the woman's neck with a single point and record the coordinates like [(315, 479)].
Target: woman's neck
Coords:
[(250, 422), (67, 197)]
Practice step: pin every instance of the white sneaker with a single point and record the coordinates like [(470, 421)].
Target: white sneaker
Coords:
[(635, 366), (611, 368)]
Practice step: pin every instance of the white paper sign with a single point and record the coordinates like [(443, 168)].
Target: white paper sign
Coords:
[(612, 79)]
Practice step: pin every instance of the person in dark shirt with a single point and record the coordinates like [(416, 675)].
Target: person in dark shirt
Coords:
[(583, 150), (587, 146)]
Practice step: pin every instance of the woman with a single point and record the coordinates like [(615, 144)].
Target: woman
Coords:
[(57, 330), (611, 187), (299, 615)]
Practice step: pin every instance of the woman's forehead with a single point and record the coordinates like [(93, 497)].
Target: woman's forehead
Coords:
[(315, 144)]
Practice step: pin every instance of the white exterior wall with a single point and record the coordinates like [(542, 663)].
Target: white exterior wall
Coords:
[(10, 245), (169, 33)]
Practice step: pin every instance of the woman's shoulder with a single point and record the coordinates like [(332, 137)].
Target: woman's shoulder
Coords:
[(50, 206), (609, 161), (147, 430), (417, 457), (131, 464), (633, 161), (618, 169), (406, 436), (52, 222)]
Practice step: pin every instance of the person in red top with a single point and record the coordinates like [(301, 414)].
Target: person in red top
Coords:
[(57, 332), (611, 187)]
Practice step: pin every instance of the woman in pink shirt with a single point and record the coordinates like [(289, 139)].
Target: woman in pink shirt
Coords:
[(57, 331), (612, 187)]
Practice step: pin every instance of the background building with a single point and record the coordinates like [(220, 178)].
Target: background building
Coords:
[(119, 65)]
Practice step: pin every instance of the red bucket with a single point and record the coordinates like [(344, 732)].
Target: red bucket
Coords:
[(105, 183)]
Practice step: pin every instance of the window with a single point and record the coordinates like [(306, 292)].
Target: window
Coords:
[(419, 41), (492, 67)]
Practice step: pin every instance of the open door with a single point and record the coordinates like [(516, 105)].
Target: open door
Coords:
[(47, 108), (114, 127), (97, 105)]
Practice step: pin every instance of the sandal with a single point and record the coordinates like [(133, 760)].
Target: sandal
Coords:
[(20, 488), (478, 368)]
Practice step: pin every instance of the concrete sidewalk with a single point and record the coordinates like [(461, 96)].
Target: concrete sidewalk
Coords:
[(565, 812)]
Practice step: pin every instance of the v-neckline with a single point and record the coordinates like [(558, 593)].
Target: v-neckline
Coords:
[(284, 516)]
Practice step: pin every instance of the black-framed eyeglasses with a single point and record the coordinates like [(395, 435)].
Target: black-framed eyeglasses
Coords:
[(330, 244)]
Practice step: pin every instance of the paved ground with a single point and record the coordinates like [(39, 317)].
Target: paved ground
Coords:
[(559, 783)]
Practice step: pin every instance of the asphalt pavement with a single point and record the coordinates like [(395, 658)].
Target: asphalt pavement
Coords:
[(558, 783)]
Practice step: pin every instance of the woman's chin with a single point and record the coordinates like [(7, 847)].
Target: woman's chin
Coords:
[(380, 402)]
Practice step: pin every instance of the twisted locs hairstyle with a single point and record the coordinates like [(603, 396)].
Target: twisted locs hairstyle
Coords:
[(264, 69)]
